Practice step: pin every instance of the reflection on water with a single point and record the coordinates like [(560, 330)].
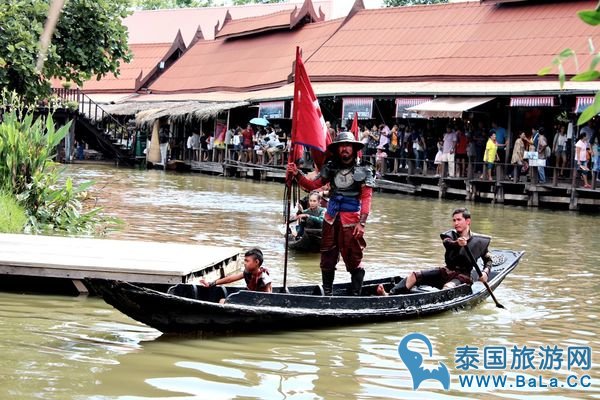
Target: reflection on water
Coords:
[(80, 348)]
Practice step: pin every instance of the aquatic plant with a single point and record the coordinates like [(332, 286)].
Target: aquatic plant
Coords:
[(12, 215), (27, 147)]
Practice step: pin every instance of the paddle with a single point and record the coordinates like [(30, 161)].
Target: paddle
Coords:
[(474, 262)]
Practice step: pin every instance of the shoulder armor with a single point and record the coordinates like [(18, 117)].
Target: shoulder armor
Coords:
[(451, 234), (327, 170), (364, 174)]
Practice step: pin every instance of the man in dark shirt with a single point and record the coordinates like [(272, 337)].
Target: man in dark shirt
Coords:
[(458, 265)]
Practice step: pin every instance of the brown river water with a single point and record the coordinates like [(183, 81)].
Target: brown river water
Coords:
[(54, 347)]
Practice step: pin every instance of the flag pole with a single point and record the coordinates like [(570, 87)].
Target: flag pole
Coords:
[(289, 180)]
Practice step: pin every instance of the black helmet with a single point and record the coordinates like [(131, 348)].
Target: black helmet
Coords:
[(345, 137)]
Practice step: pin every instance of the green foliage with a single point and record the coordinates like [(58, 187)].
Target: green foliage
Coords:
[(590, 17), (12, 214), (400, 3), (27, 146), (89, 40), (242, 2), (161, 4)]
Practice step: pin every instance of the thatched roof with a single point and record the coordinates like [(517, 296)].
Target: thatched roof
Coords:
[(147, 112)]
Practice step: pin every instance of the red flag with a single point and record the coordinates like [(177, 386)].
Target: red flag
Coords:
[(308, 124), (354, 130)]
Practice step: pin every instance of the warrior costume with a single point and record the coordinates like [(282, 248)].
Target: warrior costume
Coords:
[(349, 204)]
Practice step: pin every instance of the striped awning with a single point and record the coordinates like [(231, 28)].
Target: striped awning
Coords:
[(583, 102), (402, 103), (363, 106), (532, 101), (448, 107)]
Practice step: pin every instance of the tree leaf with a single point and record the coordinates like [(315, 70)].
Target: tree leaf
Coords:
[(590, 17), (590, 75), (545, 71), (566, 53)]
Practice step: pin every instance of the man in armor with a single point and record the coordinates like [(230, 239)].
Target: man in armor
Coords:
[(349, 205), (458, 263)]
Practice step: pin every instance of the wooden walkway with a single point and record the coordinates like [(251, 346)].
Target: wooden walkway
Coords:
[(133, 261)]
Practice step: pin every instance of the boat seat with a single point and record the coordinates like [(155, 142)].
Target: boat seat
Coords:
[(198, 292), (184, 290)]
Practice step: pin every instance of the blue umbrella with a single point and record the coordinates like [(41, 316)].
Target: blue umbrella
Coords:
[(259, 121)]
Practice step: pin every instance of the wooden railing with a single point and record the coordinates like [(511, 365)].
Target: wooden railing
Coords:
[(104, 122)]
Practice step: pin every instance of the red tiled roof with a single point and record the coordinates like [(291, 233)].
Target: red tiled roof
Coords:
[(271, 22), (247, 63), (145, 62), (261, 23), (460, 41), (159, 26)]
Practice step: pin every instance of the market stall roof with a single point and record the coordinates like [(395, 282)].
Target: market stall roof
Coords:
[(147, 61), (250, 63), (181, 110), (271, 22), (454, 41), (159, 26), (448, 107)]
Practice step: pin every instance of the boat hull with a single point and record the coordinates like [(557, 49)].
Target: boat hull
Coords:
[(196, 309)]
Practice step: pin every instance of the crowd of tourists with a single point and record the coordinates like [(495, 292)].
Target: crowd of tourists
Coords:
[(462, 150)]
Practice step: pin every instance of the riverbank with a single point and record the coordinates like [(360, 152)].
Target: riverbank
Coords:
[(555, 193)]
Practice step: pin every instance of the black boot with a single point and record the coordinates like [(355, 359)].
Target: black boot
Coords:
[(328, 277), (400, 288), (357, 280)]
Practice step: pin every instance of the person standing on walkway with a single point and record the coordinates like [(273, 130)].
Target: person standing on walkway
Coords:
[(449, 149), (543, 154), (348, 209), (490, 155)]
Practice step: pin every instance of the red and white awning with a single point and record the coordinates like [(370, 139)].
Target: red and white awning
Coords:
[(583, 102), (532, 101)]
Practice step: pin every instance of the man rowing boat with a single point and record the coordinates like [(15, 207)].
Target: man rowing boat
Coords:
[(460, 243)]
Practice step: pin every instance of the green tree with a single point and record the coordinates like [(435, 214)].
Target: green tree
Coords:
[(161, 4), (399, 3), (89, 40), (242, 2), (590, 17)]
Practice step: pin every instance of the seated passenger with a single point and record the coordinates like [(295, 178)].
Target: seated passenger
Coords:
[(312, 217), (256, 276), (458, 263)]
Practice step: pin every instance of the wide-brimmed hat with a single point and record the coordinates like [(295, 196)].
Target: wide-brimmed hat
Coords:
[(345, 137)]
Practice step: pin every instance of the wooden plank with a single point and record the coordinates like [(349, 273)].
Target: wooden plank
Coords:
[(516, 197), (587, 201), (433, 188), (77, 258), (555, 199)]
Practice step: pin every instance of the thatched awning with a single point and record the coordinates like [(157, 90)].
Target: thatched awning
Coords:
[(185, 110), (147, 112)]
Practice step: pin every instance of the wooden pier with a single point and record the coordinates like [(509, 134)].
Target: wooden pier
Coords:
[(147, 263), (561, 194)]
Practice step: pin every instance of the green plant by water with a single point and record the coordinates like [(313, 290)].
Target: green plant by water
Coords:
[(28, 144)]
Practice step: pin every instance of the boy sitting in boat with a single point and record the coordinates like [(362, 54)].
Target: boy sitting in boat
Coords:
[(256, 276), (312, 217), (458, 266)]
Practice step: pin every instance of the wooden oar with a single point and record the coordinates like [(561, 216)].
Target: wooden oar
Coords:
[(474, 262)]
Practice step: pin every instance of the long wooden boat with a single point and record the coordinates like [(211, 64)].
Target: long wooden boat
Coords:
[(189, 308)]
